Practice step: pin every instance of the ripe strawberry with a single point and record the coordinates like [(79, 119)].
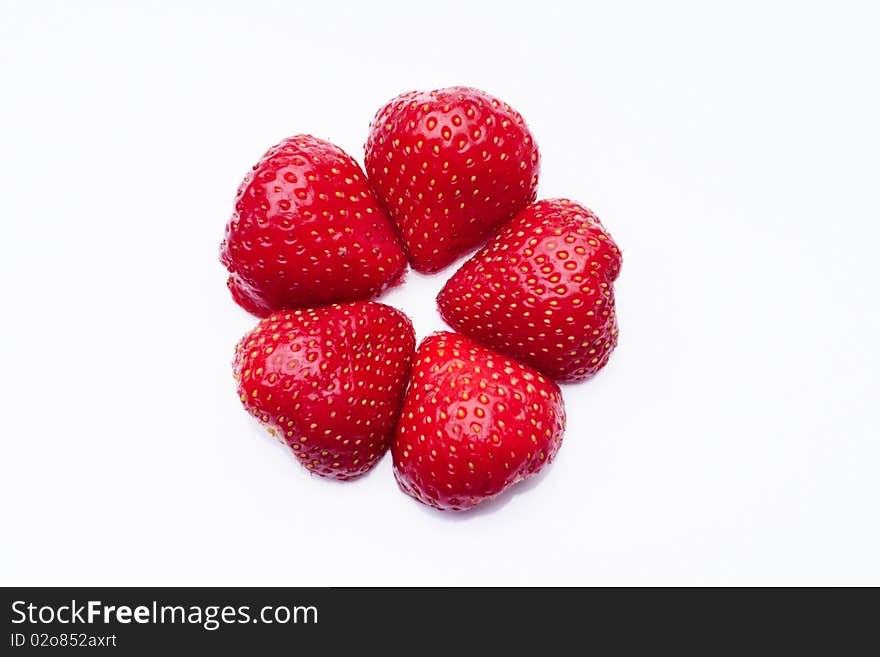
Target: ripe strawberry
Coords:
[(308, 231), (450, 166), (541, 291), (328, 381), (473, 423)]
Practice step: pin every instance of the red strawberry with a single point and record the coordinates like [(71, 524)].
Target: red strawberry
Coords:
[(541, 291), (329, 381), (473, 423), (307, 231), (451, 166)]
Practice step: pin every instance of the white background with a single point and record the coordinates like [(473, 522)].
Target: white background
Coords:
[(732, 151)]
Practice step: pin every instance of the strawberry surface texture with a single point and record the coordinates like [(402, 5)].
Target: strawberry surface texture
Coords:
[(450, 166), (328, 381), (473, 424), (541, 291), (307, 231)]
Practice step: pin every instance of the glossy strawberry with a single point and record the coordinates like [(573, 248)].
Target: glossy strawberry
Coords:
[(308, 231), (541, 291), (328, 381), (450, 166), (473, 423)]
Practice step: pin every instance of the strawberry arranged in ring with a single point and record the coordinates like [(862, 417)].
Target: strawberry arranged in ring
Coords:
[(328, 381), (308, 231), (337, 377), (541, 291), (450, 166), (473, 424)]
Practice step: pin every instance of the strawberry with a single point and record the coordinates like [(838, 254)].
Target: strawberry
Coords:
[(473, 423), (328, 381), (541, 291), (450, 166), (307, 231)]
